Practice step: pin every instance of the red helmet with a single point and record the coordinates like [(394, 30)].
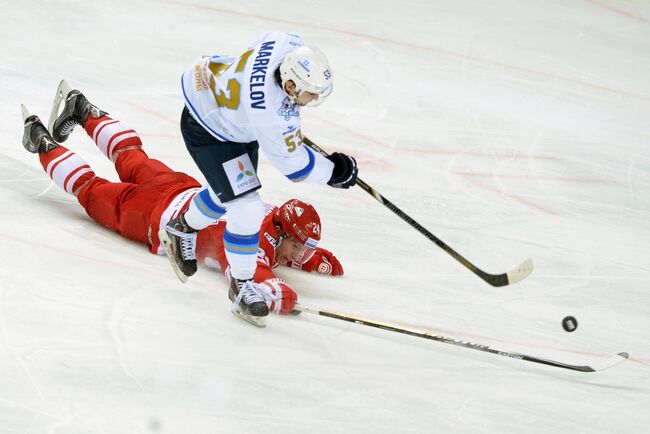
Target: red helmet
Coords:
[(300, 220)]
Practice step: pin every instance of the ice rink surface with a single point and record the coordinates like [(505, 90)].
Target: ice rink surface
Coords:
[(508, 129)]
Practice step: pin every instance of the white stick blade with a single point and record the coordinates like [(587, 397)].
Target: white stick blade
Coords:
[(613, 361), (521, 272)]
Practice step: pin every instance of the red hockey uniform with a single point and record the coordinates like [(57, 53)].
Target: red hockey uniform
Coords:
[(150, 194)]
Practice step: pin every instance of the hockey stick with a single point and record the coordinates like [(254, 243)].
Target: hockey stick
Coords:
[(515, 275), (610, 362)]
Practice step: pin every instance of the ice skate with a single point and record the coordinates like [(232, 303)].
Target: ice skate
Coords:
[(76, 110), (248, 303), (179, 242), (36, 138)]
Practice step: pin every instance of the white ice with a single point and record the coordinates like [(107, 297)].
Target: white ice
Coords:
[(509, 129)]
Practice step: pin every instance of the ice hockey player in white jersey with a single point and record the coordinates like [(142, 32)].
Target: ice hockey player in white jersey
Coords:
[(233, 107)]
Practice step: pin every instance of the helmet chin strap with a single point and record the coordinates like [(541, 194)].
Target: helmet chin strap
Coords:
[(294, 97), (281, 235), (296, 91)]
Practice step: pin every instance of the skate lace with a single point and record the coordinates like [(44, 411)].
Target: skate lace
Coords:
[(68, 126), (187, 242), (249, 293)]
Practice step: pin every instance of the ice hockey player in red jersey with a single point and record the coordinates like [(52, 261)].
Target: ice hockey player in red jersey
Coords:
[(150, 194)]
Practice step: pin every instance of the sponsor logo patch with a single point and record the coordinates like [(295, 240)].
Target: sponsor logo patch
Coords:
[(241, 174), (290, 130)]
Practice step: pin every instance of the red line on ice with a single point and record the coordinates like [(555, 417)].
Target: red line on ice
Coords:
[(509, 195), (620, 11), (417, 46), (547, 178)]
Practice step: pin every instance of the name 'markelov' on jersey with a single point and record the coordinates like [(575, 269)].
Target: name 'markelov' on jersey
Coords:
[(237, 99)]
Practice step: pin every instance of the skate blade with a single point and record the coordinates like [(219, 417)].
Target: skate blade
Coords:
[(25, 112), (167, 245), (61, 94), (258, 321)]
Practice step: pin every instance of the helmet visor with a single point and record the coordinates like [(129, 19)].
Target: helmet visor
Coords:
[(321, 97)]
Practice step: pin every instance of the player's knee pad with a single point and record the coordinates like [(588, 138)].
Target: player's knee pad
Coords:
[(241, 238), (245, 214)]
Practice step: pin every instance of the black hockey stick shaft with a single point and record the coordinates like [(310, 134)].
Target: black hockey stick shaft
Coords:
[(460, 343), (493, 279)]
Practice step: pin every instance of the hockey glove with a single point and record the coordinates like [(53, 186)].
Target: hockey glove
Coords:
[(278, 296), (323, 262), (345, 170)]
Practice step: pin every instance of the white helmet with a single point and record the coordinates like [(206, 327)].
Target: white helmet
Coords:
[(308, 69)]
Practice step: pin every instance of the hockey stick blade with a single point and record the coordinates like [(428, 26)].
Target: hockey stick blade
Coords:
[(513, 276), (518, 273), (521, 272), (61, 93), (611, 362)]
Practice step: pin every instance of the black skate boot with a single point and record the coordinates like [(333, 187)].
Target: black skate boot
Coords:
[(248, 303), (36, 138), (179, 241), (75, 112)]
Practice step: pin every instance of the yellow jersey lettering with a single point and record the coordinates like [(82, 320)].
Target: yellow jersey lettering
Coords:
[(291, 145), (242, 61)]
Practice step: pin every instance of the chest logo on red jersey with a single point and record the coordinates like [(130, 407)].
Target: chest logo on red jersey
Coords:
[(270, 239)]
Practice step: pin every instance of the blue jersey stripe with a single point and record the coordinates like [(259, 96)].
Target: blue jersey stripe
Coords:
[(239, 250), (241, 244), (304, 172), (196, 115)]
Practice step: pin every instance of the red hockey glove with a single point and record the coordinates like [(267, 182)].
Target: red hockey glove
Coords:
[(323, 262), (278, 296)]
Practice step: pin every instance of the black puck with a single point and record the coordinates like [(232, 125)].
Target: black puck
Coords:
[(569, 323)]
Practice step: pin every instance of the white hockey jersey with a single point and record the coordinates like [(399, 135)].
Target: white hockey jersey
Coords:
[(237, 99)]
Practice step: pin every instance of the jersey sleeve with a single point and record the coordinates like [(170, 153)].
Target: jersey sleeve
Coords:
[(279, 296), (209, 246), (275, 123), (283, 146)]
